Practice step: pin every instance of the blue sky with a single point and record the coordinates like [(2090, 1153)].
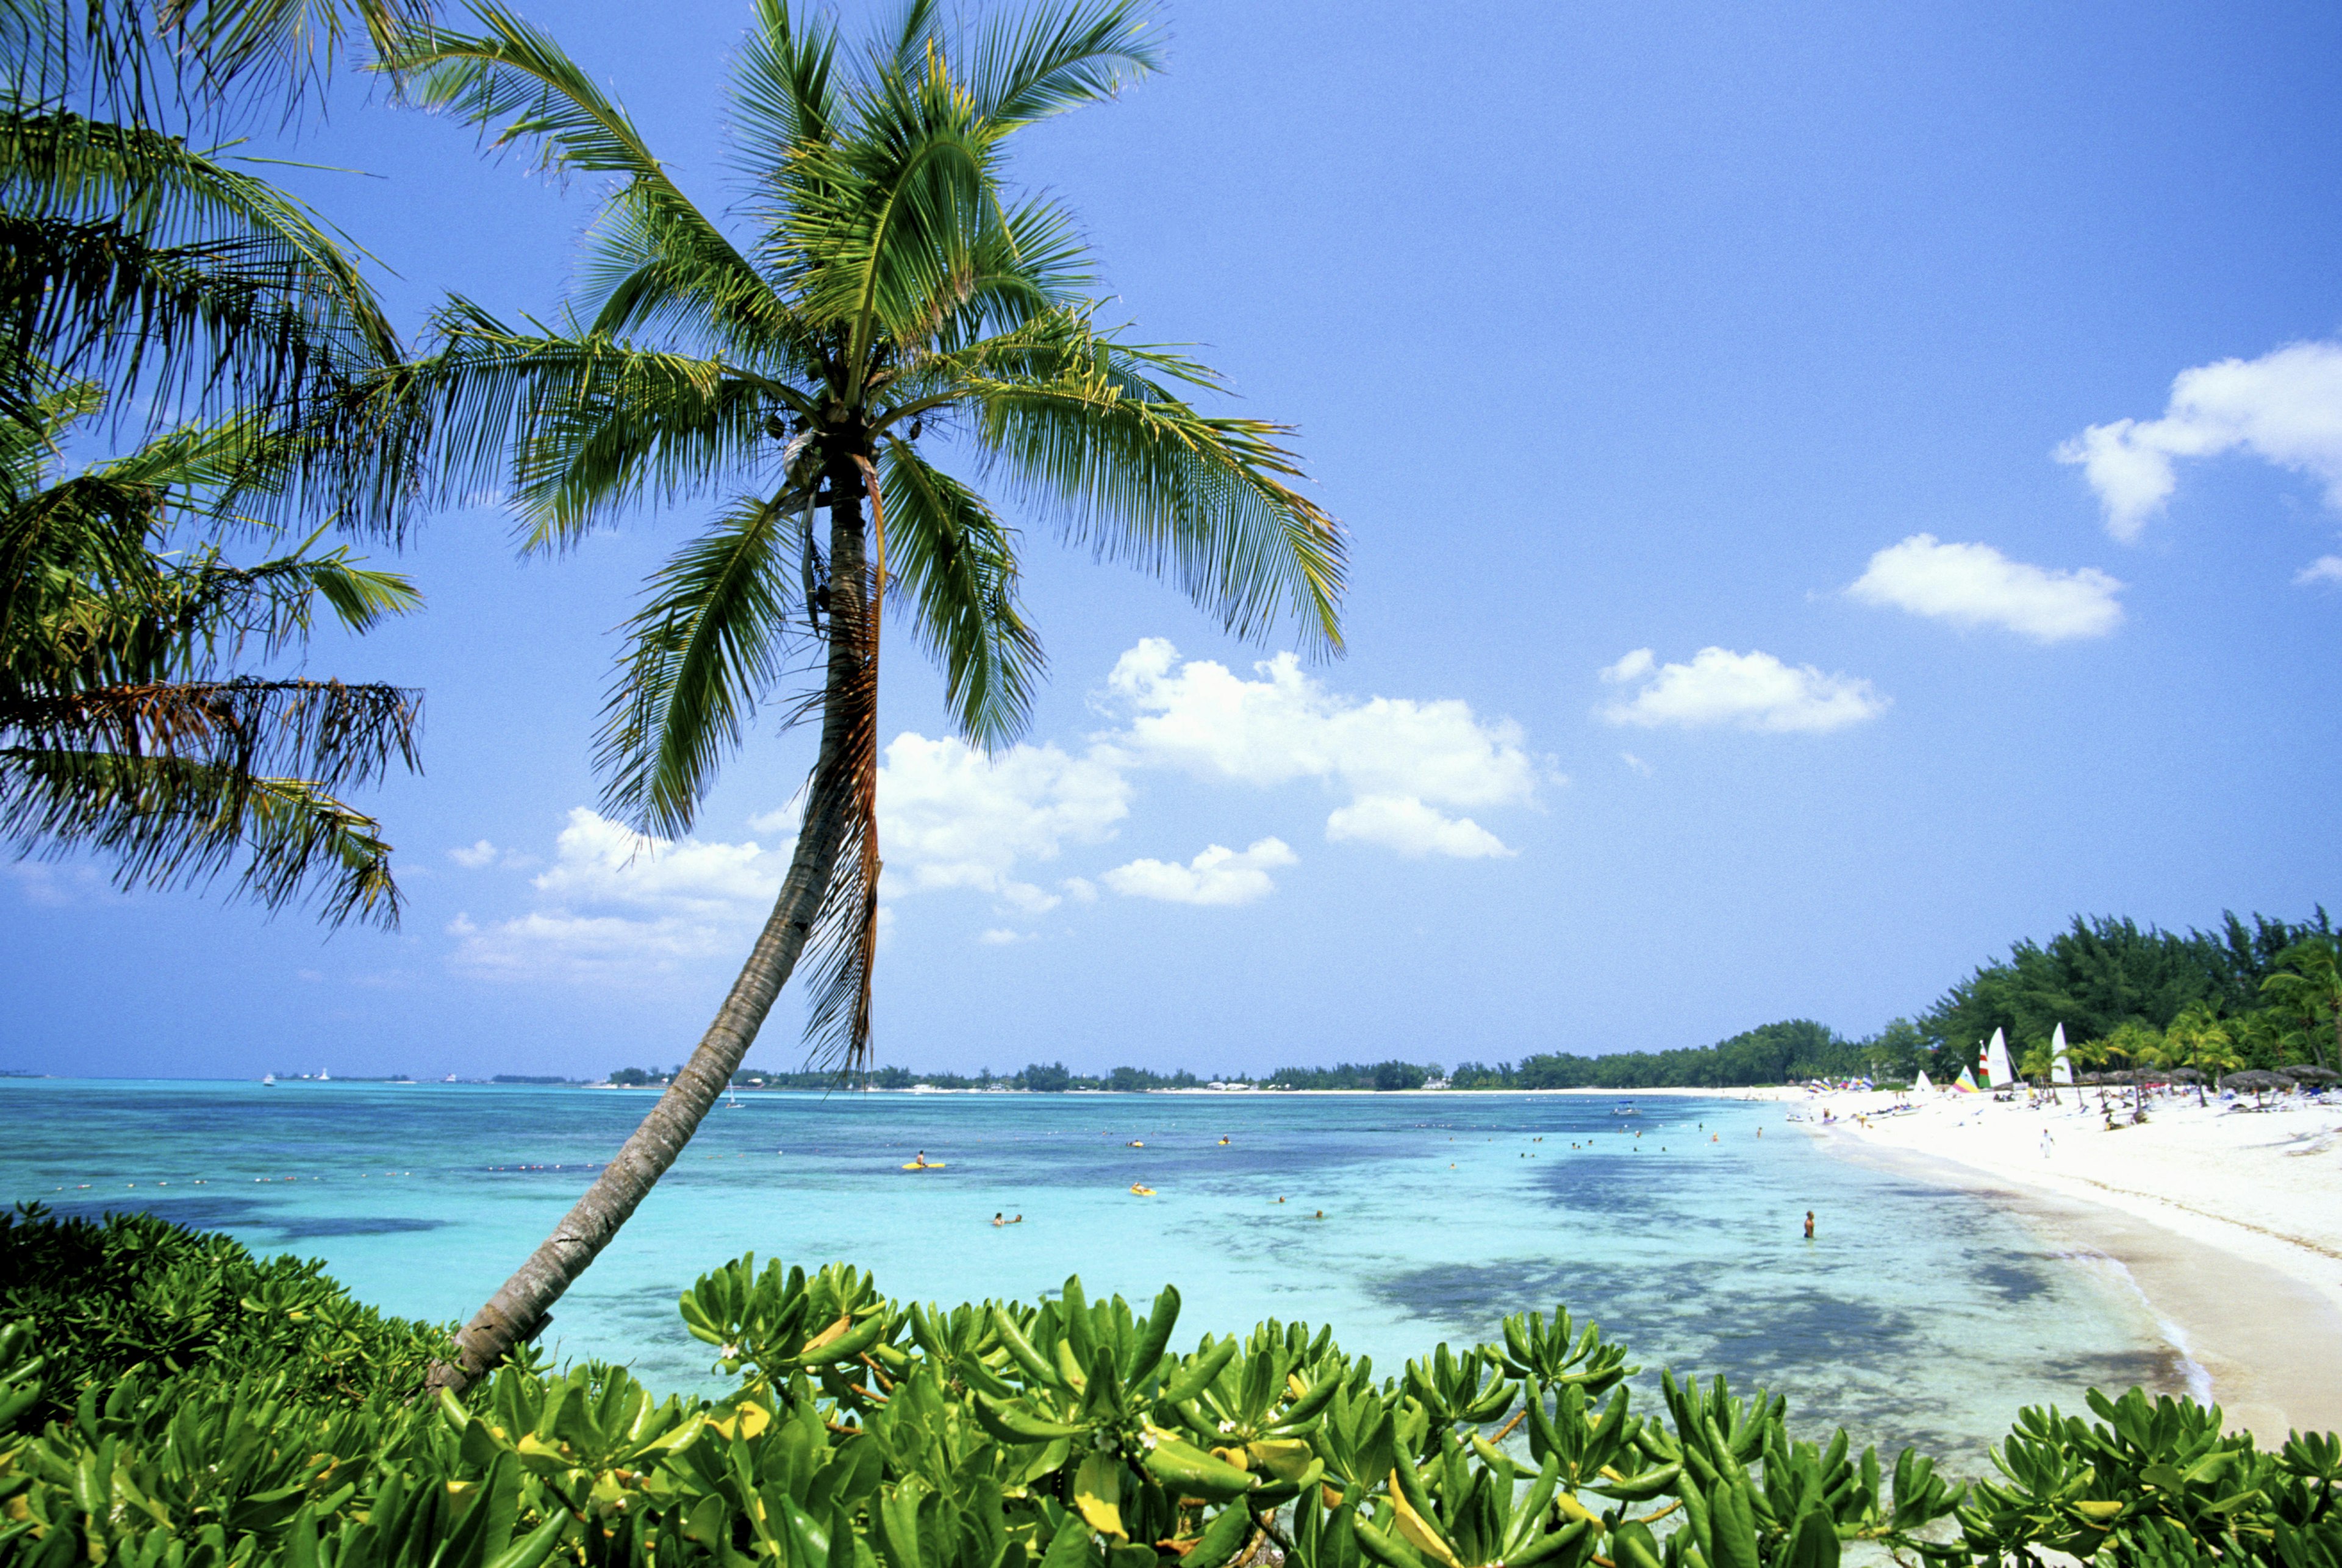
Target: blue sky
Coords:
[(1832, 490)]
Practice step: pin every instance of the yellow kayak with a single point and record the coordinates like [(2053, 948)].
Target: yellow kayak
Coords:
[(929, 1165), (1142, 1192)]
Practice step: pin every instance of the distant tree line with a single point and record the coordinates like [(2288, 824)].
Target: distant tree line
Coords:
[(2255, 991)]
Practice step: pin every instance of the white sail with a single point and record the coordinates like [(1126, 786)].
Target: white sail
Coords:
[(1922, 1085), (2061, 1066), (1996, 1061)]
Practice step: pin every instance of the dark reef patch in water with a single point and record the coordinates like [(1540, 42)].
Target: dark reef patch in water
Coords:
[(314, 1227), (2011, 1277)]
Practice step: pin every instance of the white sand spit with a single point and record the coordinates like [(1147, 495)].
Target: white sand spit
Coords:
[(2228, 1219)]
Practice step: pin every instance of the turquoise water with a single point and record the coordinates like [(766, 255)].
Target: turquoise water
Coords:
[(1916, 1315)]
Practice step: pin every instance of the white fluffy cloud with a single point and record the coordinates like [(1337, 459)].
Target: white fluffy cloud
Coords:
[(2325, 569), (2285, 407), (1754, 690), (1400, 759), (598, 862), (949, 816), (1976, 585), (1403, 822), (617, 904), (1218, 875), (614, 904)]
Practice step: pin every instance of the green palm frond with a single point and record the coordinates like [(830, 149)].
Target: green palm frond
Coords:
[(642, 271), (517, 77), (579, 426), (286, 47), (954, 561), (1152, 483), (194, 290), (1048, 61), (165, 822), (703, 650), (785, 91), (198, 61), (126, 728)]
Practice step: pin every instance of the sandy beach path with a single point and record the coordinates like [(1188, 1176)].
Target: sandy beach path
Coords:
[(2229, 1222)]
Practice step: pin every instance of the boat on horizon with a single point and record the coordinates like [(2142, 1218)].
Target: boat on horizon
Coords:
[(1624, 1108), (268, 1080)]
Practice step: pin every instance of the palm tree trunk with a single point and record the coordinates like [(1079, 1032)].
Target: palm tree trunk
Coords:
[(522, 1305)]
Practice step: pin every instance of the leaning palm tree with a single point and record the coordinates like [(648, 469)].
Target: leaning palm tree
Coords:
[(892, 295)]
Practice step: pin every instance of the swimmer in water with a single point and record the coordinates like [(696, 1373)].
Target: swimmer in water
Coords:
[(1809, 1224), (996, 1218)]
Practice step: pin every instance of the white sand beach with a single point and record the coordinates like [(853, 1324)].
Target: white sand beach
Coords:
[(2228, 1219)]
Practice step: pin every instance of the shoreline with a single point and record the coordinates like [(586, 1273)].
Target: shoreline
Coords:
[(2227, 1249)]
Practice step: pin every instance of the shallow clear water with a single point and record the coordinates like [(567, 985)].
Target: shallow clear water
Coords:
[(1916, 1315)]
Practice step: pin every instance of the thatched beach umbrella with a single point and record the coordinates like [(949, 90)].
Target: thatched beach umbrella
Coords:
[(2256, 1083), (2184, 1075), (2306, 1074)]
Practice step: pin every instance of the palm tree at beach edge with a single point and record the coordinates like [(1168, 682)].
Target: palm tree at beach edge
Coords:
[(896, 289)]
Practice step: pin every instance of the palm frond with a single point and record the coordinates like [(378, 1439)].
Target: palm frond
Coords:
[(1149, 480), (785, 91), (1055, 58), (645, 271), (955, 563), (702, 653), (577, 426), (190, 288), (169, 821), (517, 77), (199, 62), (844, 942)]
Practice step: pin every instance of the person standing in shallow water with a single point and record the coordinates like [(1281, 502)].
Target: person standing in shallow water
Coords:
[(1809, 1224)]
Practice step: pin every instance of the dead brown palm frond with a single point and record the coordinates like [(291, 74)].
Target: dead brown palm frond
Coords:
[(845, 938)]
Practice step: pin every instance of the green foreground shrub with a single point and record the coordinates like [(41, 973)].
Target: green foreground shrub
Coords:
[(863, 1433), (135, 1291)]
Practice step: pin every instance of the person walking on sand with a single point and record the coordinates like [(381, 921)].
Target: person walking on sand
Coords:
[(1809, 1224), (2047, 1142)]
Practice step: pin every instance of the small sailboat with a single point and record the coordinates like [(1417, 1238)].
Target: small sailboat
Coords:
[(2061, 1066), (268, 1080), (1998, 1074)]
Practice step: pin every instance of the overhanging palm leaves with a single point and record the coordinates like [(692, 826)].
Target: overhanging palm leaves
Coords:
[(893, 312), (126, 727), (232, 335)]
